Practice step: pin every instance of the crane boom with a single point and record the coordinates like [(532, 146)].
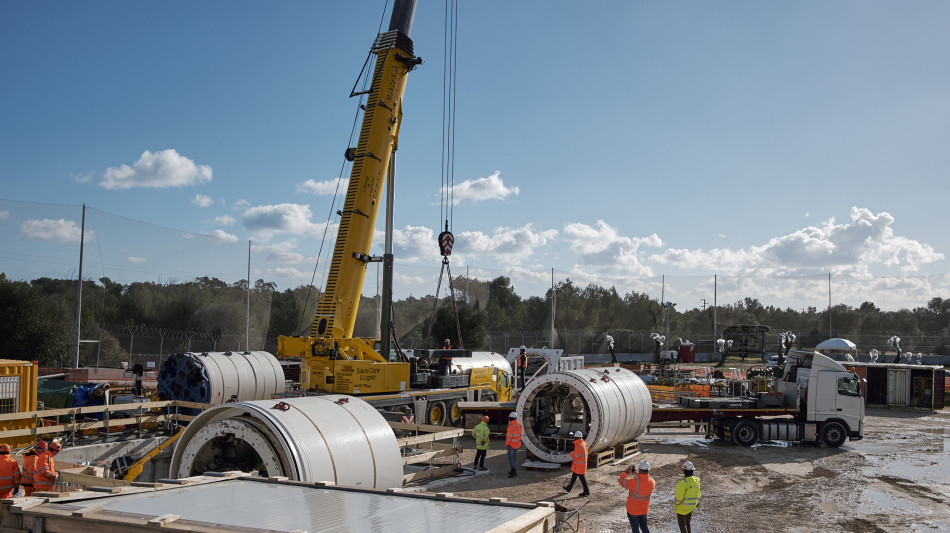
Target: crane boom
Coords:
[(336, 310), (331, 335)]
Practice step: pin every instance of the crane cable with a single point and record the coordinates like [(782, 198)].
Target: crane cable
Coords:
[(339, 180), (446, 240), (449, 74)]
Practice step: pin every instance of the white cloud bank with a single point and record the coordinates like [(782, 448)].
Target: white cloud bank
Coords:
[(853, 248), (323, 188), (157, 171), (202, 200), (270, 220), (480, 190), (59, 230)]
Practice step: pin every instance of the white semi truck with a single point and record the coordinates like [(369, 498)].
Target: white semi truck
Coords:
[(815, 400)]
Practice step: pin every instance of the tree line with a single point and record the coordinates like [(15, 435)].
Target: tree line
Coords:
[(208, 314)]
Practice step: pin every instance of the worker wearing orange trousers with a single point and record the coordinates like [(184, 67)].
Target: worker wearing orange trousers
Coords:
[(44, 470), (29, 466), (9, 473), (639, 488), (579, 464)]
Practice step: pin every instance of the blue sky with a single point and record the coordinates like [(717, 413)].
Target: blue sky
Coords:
[(766, 143)]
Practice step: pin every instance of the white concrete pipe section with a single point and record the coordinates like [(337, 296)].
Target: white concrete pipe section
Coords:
[(314, 438), (213, 377), (609, 405)]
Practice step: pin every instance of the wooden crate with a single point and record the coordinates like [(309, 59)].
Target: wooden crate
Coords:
[(599, 458), (626, 449)]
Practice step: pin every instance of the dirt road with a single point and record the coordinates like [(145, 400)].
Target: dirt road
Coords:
[(896, 479)]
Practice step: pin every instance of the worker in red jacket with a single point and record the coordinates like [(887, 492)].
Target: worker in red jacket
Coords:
[(579, 464), (639, 487), (9, 473)]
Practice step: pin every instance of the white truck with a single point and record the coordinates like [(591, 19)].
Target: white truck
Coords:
[(815, 400)]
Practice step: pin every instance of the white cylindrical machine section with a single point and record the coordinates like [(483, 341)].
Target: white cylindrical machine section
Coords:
[(609, 406), (465, 365), (214, 377), (315, 438)]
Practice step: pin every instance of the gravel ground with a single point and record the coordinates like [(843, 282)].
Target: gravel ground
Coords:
[(896, 479)]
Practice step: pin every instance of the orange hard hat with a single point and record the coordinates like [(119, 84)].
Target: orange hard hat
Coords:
[(4, 448), (484, 418), (41, 444)]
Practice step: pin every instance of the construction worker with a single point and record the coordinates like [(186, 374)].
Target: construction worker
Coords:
[(610, 348), (578, 464), (447, 345), (687, 498), (44, 469), (29, 466), (481, 432), (513, 442), (639, 488), (9, 473), (522, 368)]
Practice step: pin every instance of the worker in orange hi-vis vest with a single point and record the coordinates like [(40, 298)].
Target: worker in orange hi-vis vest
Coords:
[(513, 442), (578, 464), (44, 469), (9, 473), (29, 466), (639, 487), (522, 368)]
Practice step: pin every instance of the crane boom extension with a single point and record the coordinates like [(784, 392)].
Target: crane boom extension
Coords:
[(331, 334)]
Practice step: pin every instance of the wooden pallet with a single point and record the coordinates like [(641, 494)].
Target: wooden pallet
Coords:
[(626, 449), (597, 459)]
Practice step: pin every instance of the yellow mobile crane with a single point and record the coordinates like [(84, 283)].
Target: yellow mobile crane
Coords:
[(332, 360)]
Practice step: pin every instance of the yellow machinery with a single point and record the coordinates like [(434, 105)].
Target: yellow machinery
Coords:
[(18, 395), (135, 469), (332, 360)]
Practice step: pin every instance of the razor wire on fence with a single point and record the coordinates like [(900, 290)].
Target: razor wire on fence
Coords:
[(143, 344)]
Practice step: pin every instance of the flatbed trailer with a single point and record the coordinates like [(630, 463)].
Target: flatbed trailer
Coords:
[(671, 413)]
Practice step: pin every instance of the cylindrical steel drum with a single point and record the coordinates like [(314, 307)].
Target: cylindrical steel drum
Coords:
[(315, 438), (213, 377), (608, 405)]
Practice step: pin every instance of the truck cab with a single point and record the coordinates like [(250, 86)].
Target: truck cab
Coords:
[(826, 395)]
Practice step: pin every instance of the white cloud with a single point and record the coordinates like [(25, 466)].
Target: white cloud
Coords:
[(481, 189), (136, 260), (202, 200), (223, 220), (269, 220), (221, 236), (59, 230), (505, 245), (604, 251), (414, 243), (157, 171), (4, 214), (323, 188), (857, 247)]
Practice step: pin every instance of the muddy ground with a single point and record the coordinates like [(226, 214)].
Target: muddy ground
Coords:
[(896, 479)]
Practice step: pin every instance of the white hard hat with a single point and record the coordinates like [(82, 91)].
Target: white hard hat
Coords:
[(512, 415), (688, 465), (578, 435), (522, 348), (644, 466)]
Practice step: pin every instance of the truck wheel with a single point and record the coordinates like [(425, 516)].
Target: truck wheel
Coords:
[(455, 413), (745, 433), (435, 413), (489, 397), (833, 434)]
